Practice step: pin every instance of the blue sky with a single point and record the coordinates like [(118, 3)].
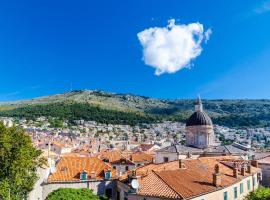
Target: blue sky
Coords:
[(47, 46)]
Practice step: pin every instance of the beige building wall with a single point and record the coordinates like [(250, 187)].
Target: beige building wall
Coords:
[(121, 169), (171, 156)]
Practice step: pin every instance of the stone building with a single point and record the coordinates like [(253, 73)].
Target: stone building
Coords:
[(82, 172), (264, 164), (200, 141), (208, 178), (199, 128)]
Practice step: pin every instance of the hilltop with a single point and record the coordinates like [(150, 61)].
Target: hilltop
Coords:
[(131, 109)]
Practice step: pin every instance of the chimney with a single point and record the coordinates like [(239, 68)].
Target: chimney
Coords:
[(92, 175), (217, 177), (189, 155), (181, 164), (133, 174), (235, 171), (249, 168), (243, 170), (255, 163)]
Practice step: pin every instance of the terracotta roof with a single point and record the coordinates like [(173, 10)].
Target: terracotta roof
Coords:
[(123, 161), (167, 180), (265, 160), (126, 153), (69, 169), (145, 147), (110, 155), (78, 154), (141, 157), (151, 181), (54, 143)]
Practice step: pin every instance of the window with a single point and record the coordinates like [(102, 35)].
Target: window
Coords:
[(241, 188), (248, 184), (127, 168), (108, 175), (83, 176), (225, 195), (235, 192), (114, 167), (165, 159)]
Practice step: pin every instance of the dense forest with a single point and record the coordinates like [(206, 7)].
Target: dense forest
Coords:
[(77, 111), (112, 108)]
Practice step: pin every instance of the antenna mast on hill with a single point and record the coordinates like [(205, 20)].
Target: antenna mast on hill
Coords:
[(71, 87)]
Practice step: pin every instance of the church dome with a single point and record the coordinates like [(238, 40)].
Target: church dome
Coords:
[(199, 118)]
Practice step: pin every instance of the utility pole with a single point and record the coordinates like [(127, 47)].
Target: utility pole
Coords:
[(71, 87)]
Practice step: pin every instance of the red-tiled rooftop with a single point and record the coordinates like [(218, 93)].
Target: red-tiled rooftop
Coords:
[(141, 157), (69, 169), (110, 155), (169, 181), (265, 160)]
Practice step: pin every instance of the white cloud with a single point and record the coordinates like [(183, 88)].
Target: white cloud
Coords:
[(169, 49), (264, 7), (207, 34)]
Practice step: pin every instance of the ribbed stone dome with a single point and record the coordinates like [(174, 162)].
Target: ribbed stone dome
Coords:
[(199, 118)]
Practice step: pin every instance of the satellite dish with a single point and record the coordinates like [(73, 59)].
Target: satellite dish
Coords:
[(135, 184)]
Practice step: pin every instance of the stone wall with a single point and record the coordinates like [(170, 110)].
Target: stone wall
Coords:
[(199, 136)]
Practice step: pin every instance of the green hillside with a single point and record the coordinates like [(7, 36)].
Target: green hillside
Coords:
[(131, 109)]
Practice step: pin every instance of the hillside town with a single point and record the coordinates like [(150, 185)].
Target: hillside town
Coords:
[(150, 161)]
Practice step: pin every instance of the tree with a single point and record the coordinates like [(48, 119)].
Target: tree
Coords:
[(73, 194), (18, 163), (261, 193)]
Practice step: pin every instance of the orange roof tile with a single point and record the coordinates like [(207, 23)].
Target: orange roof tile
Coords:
[(151, 181), (265, 160), (145, 147), (110, 155), (141, 157), (69, 168), (58, 144), (195, 179)]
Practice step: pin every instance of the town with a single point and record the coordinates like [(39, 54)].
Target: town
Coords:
[(122, 161), (134, 100)]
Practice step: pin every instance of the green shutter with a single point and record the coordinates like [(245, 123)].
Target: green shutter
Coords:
[(248, 184), (254, 181), (235, 192), (225, 195), (241, 188)]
